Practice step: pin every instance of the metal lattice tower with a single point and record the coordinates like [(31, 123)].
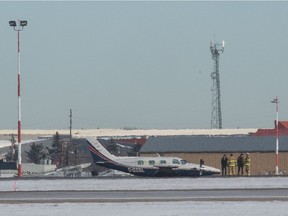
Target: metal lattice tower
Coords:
[(216, 114)]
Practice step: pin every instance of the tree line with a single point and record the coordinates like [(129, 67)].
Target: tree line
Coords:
[(38, 151)]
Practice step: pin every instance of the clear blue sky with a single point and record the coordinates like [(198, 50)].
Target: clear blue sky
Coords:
[(143, 64)]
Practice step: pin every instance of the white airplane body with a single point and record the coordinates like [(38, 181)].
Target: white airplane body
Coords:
[(147, 166)]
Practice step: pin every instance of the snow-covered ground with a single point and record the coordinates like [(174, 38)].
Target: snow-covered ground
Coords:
[(142, 183), (182, 208), (148, 209), (5, 143)]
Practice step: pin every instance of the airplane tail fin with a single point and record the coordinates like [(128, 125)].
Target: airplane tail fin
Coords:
[(99, 152)]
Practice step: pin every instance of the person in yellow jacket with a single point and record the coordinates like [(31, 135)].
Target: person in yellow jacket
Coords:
[(248, 164), (231, 165)]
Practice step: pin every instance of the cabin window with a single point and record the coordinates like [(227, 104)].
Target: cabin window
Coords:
[(140, 162), (175, 161), (183, 162), (151, 162), (162, 161)]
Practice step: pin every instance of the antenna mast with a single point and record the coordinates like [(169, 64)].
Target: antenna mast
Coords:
[(216, 114)]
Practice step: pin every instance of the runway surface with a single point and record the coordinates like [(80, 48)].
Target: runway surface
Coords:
[(144, 196)]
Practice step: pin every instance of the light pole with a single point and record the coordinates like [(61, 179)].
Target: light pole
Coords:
[(18, 28), (276, 101)]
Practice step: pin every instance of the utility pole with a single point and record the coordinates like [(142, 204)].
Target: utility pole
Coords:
[(70, 116), (216, 114)]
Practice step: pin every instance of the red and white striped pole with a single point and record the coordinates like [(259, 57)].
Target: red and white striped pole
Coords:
[(19, 112), (21, 24)]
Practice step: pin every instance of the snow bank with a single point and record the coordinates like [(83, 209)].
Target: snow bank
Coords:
[(149, 208), (143, 183), (5, 143), (132, 132), (145, 208)]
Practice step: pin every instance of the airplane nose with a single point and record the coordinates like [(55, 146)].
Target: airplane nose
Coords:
[(213, 170), (216, 171)]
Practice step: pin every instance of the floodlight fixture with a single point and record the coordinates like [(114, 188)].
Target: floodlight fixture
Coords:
[(23, 23), (12, 23), (275, 100)]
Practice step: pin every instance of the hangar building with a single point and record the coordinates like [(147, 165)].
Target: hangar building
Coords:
[(212, 148)]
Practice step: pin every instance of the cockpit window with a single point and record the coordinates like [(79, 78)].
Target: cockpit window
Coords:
[(140, 162), (175, 161), (183, 162)]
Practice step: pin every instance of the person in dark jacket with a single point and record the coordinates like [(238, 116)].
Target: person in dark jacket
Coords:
[(201, 162), (240, 164), (224, 164)]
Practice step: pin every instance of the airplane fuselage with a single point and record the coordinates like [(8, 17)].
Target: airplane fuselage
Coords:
[(147, 166)]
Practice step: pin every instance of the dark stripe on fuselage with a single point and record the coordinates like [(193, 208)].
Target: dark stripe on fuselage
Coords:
[(101, 157), (108, 163)]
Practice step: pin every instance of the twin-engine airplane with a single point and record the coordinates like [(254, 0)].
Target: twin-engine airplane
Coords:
[(147, 166)]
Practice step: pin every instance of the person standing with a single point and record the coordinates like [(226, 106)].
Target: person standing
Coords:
[(231, 165), (248, 164), (240, 164), (224, 163), (201, 162)]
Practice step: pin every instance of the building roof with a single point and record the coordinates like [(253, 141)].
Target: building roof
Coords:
[(271, 132), (282, 124), (214, 144), (282, 130)]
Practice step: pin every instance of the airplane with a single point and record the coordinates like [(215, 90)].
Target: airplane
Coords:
[(147, 166)]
